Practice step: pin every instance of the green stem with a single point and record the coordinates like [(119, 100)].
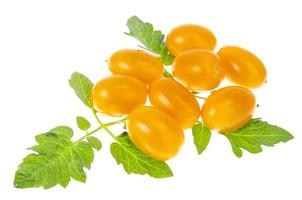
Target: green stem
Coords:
[(89, 134), (116, 122), (96, 117), (102, 126)]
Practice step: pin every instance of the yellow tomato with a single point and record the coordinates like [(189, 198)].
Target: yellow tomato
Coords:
[(136, 63), (154, 132), (174, 99), (190, 36), (228, 108), (198, 69), (118, 95), (242, 67)]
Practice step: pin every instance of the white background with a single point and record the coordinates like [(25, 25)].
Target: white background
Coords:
[(43, 42)]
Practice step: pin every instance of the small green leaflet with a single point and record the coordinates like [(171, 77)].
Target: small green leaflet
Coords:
[(94, 142), (63, 130), (135, 161), (202, 136), (254, 134), (152, 39), (82, 87), (55, 160), (83, 123)]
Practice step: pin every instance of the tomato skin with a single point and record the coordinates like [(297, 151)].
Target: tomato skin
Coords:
[(154, 132), (118, 95), (228, 108), (242, 67), (136, 63), (190, 36), (171, 97), (198, 69)]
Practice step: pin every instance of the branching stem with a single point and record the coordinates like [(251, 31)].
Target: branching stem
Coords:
[(102, 126)]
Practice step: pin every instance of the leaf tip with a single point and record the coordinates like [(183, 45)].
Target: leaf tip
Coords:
[(134, 17)]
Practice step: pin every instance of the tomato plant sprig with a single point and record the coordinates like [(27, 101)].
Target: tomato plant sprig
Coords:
[(57, 158), (153, 40), (250, 137)]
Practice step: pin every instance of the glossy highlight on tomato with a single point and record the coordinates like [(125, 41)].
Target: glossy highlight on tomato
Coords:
[(136, 63), (228, 108), (242, 67), (173, 98), (190, 36), (154, 132), (198, 69), (118, 95)]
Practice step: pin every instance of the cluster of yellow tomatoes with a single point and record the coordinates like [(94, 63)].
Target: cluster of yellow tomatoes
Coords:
[(157, 130)]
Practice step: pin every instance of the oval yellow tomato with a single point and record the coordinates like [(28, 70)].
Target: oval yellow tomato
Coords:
[(118, 95), (228, 108), (190, 36), (242, 67), (174, 99), (198, 69), (136, 63), (154, 132)]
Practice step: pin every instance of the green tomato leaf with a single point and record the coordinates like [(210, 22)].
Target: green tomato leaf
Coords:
[(135, 161), (254, 134), (82, 87), (202, 136), (83, 123), (152, 39), (63, 131), (56, 160), (94, 142)]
